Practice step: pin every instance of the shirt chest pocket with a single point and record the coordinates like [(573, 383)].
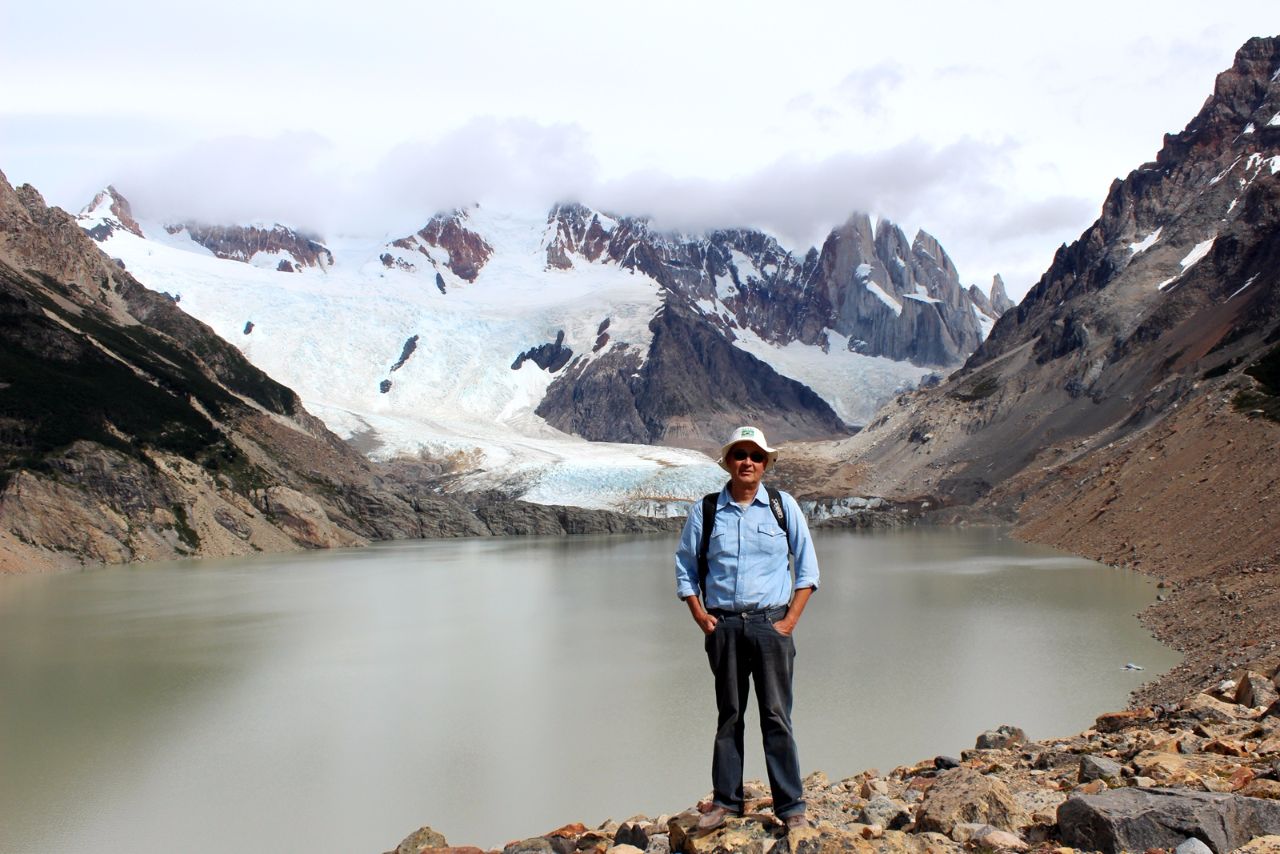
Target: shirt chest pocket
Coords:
[(724, 542), (772, 539)]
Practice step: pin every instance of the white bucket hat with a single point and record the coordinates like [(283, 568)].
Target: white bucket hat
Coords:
[(748, 434)]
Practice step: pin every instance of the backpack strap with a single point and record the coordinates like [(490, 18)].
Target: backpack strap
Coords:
[(779, 512), (709, 521)]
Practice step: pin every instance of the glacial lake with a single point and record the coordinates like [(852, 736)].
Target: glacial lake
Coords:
[(498, 688)]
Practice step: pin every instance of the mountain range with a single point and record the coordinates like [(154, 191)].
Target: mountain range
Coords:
[(502, 340), (577, 357)]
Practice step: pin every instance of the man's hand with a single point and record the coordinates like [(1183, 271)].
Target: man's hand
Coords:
[(705, 621), (787, 624)]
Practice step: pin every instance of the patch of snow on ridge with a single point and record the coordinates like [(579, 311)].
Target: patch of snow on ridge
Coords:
[(1275, 120), (985, 323), (853, 384), (1150, 240), (1247, 129), (1166, 283), (893, 304), (1242, 287), (1201, 249), (745, 266), (863, 271)]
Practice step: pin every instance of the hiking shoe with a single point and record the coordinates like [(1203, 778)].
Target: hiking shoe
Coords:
[(713, 818), (797, 820)]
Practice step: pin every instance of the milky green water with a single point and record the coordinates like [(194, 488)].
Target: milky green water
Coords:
[(498, 688)]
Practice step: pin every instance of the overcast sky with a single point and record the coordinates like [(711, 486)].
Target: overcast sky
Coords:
[(997, 127)]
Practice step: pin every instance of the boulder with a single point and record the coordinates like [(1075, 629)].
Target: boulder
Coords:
[(625, 849), (1098, 768), (1137, 819), (635, 833), (886, 812), (423, 837), (1255, 689), (1261, 845), (1117, 721), (964, 795), (659, 843), (1000, 840), (535, 845), (1193, 846), (1002, 737)]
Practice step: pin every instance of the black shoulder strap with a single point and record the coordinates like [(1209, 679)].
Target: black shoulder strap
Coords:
[(779, 513), (709, 521)]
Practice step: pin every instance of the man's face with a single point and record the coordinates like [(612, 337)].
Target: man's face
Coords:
[(743, 469)]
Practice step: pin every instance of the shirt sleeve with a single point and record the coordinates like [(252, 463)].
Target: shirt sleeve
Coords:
[(687, 553), (801, 545)]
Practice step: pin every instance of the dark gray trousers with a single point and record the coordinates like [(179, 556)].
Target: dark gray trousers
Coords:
[(746, 648)]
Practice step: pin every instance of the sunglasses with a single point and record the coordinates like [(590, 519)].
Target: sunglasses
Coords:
[(738, 455)]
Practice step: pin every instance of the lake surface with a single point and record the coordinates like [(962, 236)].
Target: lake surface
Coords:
[(497, 688)]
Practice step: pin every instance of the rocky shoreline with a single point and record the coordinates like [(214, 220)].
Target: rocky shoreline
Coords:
[(1199, 776)]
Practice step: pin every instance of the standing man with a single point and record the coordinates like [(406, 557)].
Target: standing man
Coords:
[(751, 608)]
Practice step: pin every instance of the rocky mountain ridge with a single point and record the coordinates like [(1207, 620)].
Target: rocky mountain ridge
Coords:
[(1172, 294), (132, 432), (867, 292)]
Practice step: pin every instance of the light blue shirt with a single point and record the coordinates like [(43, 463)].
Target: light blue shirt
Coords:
[(747, 558)]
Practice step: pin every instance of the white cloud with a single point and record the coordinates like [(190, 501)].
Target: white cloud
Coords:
[(996, 134)]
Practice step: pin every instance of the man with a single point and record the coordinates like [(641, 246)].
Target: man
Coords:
[(751, 609)]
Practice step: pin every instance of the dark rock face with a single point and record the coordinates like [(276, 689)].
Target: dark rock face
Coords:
[(691, 383), (889, 297), (410, 345), (466, 251), (550, 357), (1139, 819), (241, 243)]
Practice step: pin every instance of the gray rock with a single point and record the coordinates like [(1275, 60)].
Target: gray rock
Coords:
[(1255, 689), (1193, 846), (536, 845), (1137, 819), (1098, 768), (1004, 736), (423, 837), (886, 812), (659, 843)]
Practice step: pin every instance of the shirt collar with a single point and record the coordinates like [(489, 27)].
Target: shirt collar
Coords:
[(762, 496)]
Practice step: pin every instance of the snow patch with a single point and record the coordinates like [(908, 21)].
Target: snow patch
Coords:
[(1150, 240), (894, 305), (1275, 121), (854, 384), (863, 271), (985, 323), (1242, 287), (922, 298), (1247, 129), (745, 266), (1201, 249), (1216, 178), (1166, 283)]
